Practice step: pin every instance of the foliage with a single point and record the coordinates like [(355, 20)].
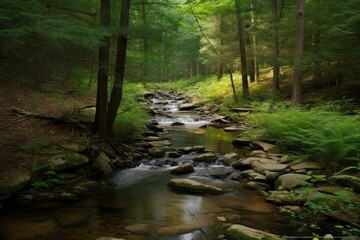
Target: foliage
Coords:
[(131, 115), (48, 180), (328, 136)]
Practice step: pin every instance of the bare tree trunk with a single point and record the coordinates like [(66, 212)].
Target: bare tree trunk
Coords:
[(253, 60), (299, 46), (242, 42), (117, 91), (102, 93), (275, 48), (220, 62), (146, 44)]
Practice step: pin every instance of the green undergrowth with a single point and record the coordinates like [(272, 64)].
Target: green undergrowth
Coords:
[(328, 136), (132, 115)]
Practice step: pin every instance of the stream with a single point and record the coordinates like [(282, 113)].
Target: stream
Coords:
[(138, 205)]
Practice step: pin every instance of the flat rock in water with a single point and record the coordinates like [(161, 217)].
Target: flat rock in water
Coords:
[(160, 143), (183, 169), (189, 106), (205, 157), (240, 232), (308, 166), (191, 186)]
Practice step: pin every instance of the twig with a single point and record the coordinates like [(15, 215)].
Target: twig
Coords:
[(13, 122)]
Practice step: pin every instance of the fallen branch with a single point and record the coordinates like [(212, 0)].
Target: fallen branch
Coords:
[(56, 119), (13, 122)]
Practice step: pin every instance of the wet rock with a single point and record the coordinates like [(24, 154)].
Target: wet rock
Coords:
[(160, 143), (177, 124), (218, 171), (13, 183), (241, 142), (259, 153), (271, 167), (139, 229), (285, 198), (235, 176), (252, 175), (101, 165), (308, 166), (236, 232), (189, 106), (256, 185), (183, 169), (157, 151), (174, 154), (66, 161), (264, 145), (155, 128), (291, 181), (242, 165), (205, 157), (187, 150), (230, 158), (191, 186), (75, 147)]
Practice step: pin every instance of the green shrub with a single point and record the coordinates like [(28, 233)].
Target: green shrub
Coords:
[(327, 136)]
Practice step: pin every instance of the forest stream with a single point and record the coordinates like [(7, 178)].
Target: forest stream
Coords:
[(137, 204)]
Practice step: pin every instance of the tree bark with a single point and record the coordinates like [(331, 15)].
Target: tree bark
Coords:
[(299, 46), (253, 60), (275, 48), (102, 94), (145, 43), (242, 42), (117, 91)]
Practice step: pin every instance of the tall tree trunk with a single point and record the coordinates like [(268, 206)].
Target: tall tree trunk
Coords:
[(102, 93), (275, 48), (117, 91), (220, 62), (253, 60), (299, 46), (145, 44), (242, 42)]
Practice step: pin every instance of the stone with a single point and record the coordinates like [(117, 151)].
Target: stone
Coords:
[(259, 153), (328, 237), (293, 209), (180, 228), (183, 169), (191, 186), (139, 229), (205, 157), (219, 171), (88, 184), (257, 185), (235, 176), (241, 142), (177, 124), (275, 167), (174, 154), (160, 143), (237, 232), (221, 218), (189, 106), (285, 198), (157, 151), (252, 175), (13, 183), (75, 147), (66, 161), (264, 145), (291, 180), (271, 175), (230, 158), (308, 166), (241, 165), (101, 165)]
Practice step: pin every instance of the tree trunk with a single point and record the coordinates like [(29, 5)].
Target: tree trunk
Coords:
[(102, 94), (299, 46), (220, 61), (275, 48), (145, 44), (242, 42), (253, 60), (116, 94)]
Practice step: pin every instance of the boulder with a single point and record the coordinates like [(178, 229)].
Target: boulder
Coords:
[(188, 106), (205, 157), (308, 166), (66, 161), (183, 169), (271, 167), (13, 183), (177, 124), (219, 171), (242, 164), (237, 232), (291, 181), (191, 186), (230, 158), (241, 142), (174, 154), (101, 165), (157, 151)]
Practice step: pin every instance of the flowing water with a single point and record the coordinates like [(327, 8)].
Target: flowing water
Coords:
[(138, 205)]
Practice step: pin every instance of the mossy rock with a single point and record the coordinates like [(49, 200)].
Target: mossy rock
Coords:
[(236, 232), (66, 161), (13, 183)]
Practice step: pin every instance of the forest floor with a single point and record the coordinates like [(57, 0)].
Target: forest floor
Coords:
[(22, 139)]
